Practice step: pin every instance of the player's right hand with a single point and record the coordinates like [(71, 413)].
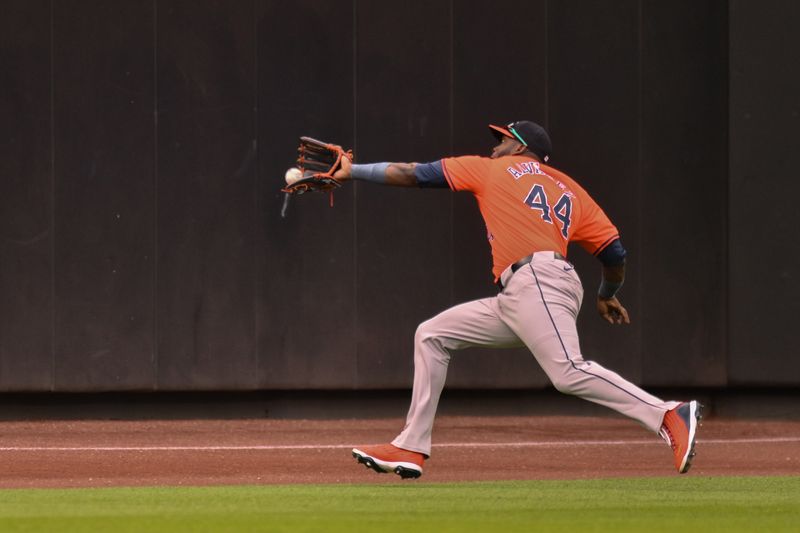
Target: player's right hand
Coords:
[(612, 311)]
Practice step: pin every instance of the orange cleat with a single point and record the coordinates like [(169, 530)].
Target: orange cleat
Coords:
[(679, 429), (386, 458)]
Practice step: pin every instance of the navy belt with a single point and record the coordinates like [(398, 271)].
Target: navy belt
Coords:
[(528, 258), (525, 260)]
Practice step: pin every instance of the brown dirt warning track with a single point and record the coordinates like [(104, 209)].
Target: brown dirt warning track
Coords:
[(232, 452)]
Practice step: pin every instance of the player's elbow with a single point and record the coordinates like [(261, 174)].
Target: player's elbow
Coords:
[(401, 175)]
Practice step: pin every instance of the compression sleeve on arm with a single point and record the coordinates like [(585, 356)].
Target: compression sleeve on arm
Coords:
[(608, 289), (374, 172), (430, 175), (613, 254)]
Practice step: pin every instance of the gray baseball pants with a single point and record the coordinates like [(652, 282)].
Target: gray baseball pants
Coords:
[(537, 308)]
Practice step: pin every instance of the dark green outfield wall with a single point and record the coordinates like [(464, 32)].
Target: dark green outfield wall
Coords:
[(142, 145)]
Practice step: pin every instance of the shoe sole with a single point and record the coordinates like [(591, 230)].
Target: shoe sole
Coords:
[(402, 469), (695, 416)]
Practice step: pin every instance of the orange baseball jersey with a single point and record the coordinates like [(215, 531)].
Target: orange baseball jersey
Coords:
[(529, 207)]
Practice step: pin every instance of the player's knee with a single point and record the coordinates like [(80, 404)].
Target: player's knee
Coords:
[(429, 346), (425, 332), (565, 384), (572, 378)]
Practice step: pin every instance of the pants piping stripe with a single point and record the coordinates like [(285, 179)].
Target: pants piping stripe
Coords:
[(566, 352)]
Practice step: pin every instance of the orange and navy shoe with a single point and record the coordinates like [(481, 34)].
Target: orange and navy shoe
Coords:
[(386, 458), (679, 429)]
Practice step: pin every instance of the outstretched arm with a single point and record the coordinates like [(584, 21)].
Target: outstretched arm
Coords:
[(395, 174)]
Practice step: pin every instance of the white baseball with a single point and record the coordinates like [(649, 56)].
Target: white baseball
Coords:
[(292, 175)]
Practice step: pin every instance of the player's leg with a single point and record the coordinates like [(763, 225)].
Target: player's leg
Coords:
[(541, 306), (473, 323), (470, 324)]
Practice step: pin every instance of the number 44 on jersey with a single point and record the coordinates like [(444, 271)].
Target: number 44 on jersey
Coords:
[(562, 210)]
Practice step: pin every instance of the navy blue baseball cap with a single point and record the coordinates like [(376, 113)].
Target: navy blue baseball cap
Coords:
[(528, 133)]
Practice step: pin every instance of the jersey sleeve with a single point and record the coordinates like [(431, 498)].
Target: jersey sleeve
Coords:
[(430, 175), (594, 231), (466, 173)]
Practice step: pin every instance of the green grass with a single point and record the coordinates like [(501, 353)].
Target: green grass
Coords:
[(649, 505)]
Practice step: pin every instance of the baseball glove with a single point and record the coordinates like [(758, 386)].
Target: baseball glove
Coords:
[(318, 161)]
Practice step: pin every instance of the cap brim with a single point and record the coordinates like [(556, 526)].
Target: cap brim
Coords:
[(499, 132)]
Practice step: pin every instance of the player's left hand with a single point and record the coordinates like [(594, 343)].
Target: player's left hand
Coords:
[(612, 311), (343, 173)]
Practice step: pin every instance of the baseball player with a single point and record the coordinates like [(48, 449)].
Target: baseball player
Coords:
[(532, 212)]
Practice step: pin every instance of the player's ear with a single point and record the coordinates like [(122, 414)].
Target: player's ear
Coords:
[(519, 149)]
